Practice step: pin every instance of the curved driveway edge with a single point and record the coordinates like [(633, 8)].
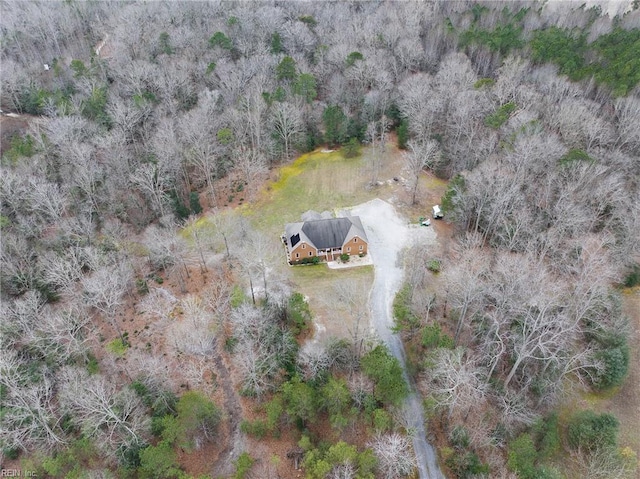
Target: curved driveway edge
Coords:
[(388, 235)]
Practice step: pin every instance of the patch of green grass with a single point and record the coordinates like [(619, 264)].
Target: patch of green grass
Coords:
[(310, 275), (316, 180), (117, 347), (237, 296)]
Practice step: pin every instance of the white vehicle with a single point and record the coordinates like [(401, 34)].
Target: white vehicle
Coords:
[(437, 212)]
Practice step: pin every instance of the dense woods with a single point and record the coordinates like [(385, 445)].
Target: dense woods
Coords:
[(134, 117)]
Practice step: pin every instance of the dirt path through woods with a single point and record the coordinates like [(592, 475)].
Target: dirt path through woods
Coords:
[(223, 467)]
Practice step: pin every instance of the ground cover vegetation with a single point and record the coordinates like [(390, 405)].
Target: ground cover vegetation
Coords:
[(140, 341)]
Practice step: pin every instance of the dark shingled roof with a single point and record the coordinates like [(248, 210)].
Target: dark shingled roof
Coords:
[(325, 234)]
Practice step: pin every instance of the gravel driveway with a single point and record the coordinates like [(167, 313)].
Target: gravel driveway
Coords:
[(388, 235)]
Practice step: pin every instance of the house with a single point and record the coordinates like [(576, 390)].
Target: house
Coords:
[(325, 238)]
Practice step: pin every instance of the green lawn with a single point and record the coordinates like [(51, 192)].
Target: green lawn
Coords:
[(318, 181)]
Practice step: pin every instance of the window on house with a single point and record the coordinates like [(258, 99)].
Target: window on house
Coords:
[(297, 255), (310, 253), (360, 247), (349, 249), (355, 240), (304, 246)]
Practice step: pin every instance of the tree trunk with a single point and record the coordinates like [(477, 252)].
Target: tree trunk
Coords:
[(513, 371)]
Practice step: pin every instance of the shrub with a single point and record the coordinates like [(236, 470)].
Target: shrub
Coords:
[(118, 347), (591, 431), (92, 364), (450, 197), (403, 134), (243, 464), (335, 125), (219, 39), (20, 147), (385, 371), (501, 115), (276, 43), (353, 57), (484, 82), (298, 313), (257, 428), (197, 415), (404, 317), (433, 337), (335, 398), (11, 453), (129, 454), (522, 456), (466, 464), (237, 296), (434, 265), (79, 68), (382, 421), (286, 69), (159, 462), (344, 257), (94, 107), (142, 286), (300, 400), (546, 436), (616, 366), (573, 156), (274, 410), (308, 260), (194, 203), (165, 44), (633, 278), (351, 149), (459, 437)]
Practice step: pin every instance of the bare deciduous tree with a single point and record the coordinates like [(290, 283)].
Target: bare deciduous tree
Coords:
[(456, 382), (113, 417), (287, 123), (253, 166), (420, 155), (153, 185), (105, 288), (194, 334), (29, 419), (395, 455)]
